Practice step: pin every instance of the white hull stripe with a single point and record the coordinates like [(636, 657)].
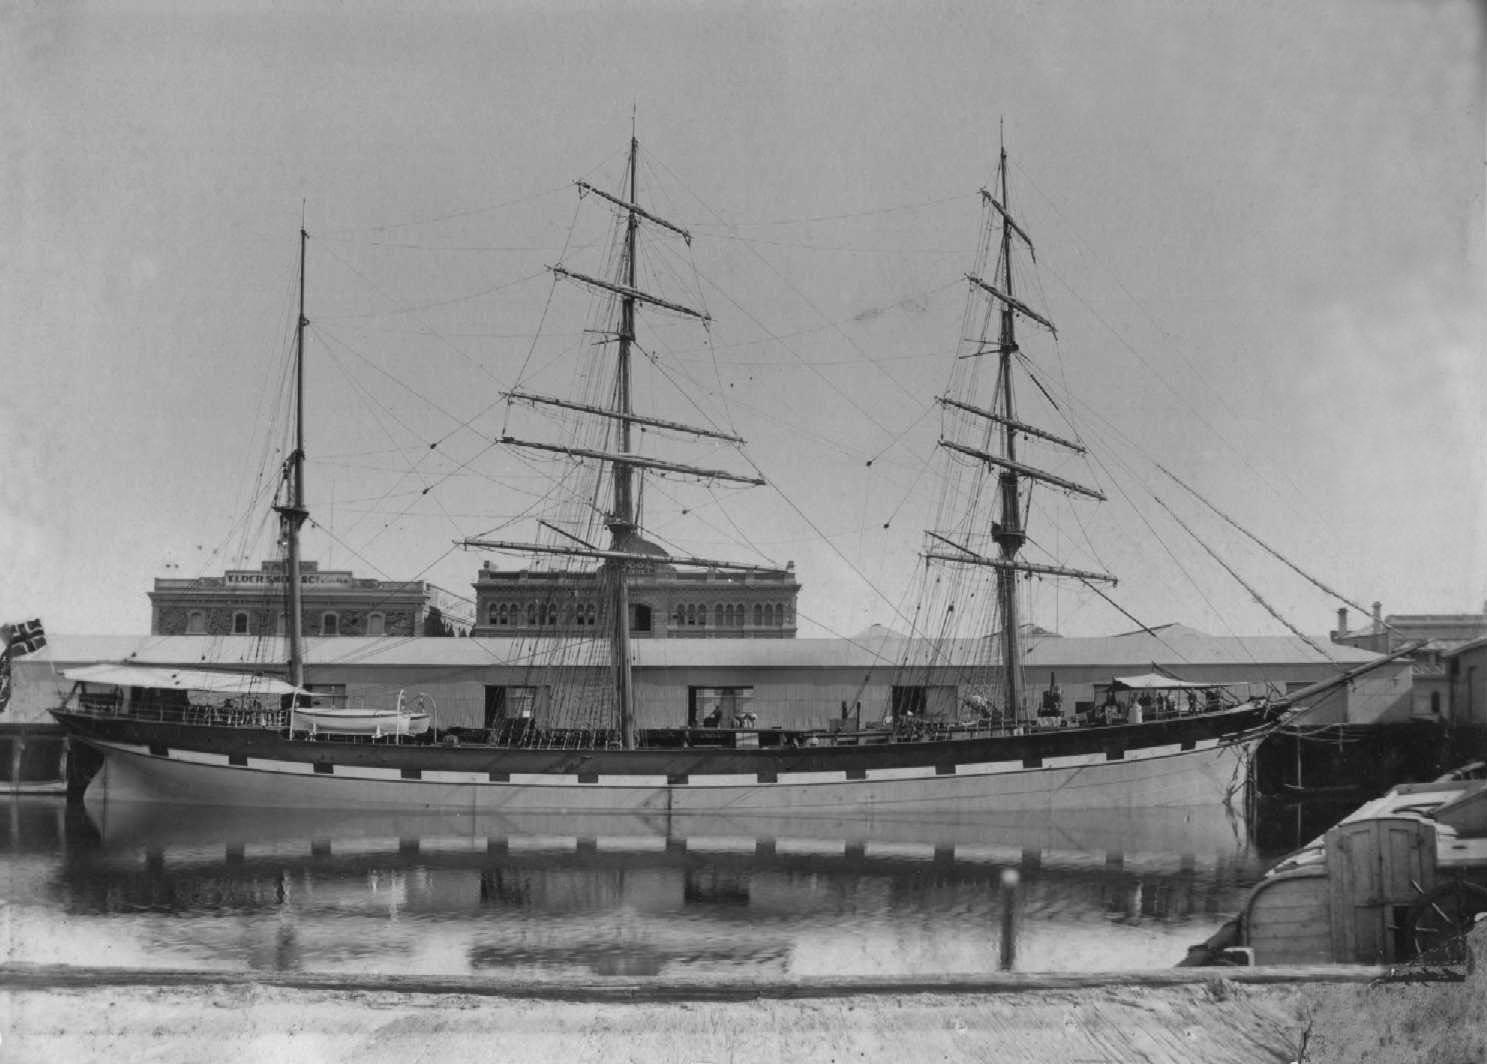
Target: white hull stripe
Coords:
[(648, 781)]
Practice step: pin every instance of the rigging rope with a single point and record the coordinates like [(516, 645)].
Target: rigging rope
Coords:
[(1298, 633), (1265, 546)]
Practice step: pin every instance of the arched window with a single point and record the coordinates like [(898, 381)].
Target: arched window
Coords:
[(240, 622), (330, 623), (376, 624), (680, 617), (758, 615), (718, 615), (495, 614), (196, 623), (531, 614)]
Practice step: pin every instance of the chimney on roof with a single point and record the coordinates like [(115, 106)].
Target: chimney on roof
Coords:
[(1378, 617), (1342, 623)]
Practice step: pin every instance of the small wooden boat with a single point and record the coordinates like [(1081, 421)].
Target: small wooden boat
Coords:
[(372, 723), (1401, 878)]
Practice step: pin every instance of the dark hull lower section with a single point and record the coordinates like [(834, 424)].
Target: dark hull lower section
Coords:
[(1181, 762), (1028, 750)]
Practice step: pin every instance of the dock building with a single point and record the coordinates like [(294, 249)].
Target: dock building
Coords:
[(252, 602)]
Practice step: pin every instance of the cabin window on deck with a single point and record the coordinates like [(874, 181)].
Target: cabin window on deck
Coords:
[(159, 703), (327, 694), (196, 623), (503, 703), (376, 624), (908, 700), (330, 623), (718, 707), (240, 623)]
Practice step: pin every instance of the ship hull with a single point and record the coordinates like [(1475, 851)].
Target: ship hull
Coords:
[(1174, 764)]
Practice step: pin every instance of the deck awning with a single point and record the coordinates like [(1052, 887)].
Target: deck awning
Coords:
[(1156, 682), (226, 683)]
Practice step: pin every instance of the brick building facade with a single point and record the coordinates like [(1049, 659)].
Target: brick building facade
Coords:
[(664, 603), (253, 602)]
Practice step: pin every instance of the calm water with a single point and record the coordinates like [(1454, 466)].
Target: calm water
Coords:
[(556, 897)]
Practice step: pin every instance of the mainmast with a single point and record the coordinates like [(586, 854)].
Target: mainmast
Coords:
[(627, 552), (1007, 529), (292, 514)]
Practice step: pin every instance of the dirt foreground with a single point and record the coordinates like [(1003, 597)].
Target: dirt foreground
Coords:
[(63, 1015)]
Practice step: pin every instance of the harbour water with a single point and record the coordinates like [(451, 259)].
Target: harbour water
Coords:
[(553, 898)]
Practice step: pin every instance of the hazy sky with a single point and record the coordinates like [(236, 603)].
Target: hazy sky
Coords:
[(1259, 228)]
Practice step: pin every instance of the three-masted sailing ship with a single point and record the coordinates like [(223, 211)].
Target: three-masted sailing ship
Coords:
[(999, 758)]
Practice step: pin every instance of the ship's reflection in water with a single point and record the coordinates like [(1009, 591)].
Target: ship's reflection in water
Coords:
[(555, 897)]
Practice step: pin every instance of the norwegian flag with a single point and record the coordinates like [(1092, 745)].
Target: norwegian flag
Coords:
[(25, 638)]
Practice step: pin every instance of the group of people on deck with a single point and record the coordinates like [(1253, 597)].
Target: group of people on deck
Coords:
[(743, 719), (1157, 704), (1130, 706)]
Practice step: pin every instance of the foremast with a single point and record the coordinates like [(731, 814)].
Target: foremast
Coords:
[(292, 512), (624, 554), (1008, 530)]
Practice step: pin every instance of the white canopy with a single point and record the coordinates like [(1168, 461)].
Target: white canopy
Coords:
[(1156, 682), (227, 683)]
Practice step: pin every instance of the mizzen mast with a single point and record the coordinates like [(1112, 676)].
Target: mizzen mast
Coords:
[(1008, 533)]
